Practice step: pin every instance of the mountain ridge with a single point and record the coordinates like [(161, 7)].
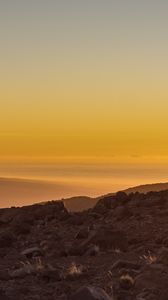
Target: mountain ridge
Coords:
[(72, 204), (15, 191)]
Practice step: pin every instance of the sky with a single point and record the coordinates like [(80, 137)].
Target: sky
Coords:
[(83, 92)]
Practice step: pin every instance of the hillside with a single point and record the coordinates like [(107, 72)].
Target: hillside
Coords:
[(120, 246), (17, 191), (82, 203), (156, 187)]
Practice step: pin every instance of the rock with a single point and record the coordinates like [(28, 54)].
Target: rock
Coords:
[(119, 264), (110, 202), (105, 204), (51, 210), (107, 238), (32, 252), (90, 293), (22, 272), (104, 238)]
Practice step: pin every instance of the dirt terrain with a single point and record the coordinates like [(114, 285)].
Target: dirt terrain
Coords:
[(120, 246)]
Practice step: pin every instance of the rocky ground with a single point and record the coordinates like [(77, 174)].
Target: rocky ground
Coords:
[(120, 246)]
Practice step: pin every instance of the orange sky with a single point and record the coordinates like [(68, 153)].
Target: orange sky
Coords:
[(84, 82)]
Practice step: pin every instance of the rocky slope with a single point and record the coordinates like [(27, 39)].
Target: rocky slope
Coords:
[(82, 202), (117, 250)]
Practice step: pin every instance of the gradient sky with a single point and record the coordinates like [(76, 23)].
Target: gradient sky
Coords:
[(85, 81)]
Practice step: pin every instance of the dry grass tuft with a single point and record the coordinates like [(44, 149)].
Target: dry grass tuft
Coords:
[(127, 278), (127, 281), (74, 270), (149, 258)]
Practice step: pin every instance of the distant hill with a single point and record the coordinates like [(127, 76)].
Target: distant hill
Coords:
[(156, 187), (82, 203), (79, 203), (15, 191)]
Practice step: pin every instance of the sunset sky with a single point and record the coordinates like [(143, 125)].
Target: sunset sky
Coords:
[(84, 92)]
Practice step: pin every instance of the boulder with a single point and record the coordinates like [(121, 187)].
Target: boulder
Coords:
[(106, 239)]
